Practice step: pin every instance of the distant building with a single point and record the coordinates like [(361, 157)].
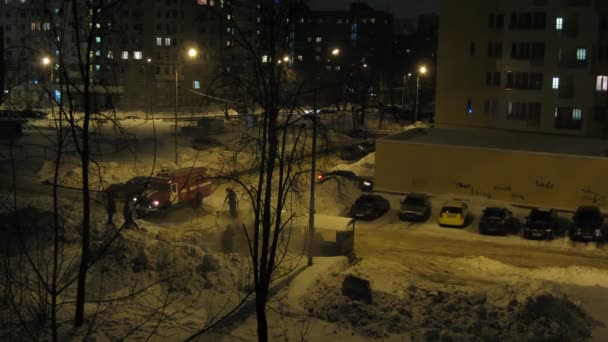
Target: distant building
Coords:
[(524, 65), (141, 44), (341, 48)]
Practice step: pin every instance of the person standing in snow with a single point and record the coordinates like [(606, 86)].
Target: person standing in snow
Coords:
[(232, 201)]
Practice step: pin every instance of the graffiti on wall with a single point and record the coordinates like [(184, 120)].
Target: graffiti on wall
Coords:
[(594, 197), (545, 184)]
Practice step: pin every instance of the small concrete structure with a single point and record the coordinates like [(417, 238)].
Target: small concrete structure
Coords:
[(523, 168)]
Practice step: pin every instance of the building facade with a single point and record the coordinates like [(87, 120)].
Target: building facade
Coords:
[(524, 65), (139, 52)]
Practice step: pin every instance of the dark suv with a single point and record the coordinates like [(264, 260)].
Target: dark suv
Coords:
[(588, 224), (541, 224), (496, 221), (415, 207), (369, 207)]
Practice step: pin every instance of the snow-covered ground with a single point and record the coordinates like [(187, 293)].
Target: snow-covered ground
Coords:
[(428, 282)]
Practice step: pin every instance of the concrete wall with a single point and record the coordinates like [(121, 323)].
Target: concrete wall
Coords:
[(537, 179)]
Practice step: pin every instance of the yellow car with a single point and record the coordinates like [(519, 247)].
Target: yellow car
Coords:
[(454, 214)]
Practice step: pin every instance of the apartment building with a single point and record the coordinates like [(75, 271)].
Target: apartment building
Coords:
[(138, 47), (525, 65), (350, 48)]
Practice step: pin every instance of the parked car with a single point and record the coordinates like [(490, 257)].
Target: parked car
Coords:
[(358, 133), (415, 207), (541, 224), (364, 183), (32, 114), (454, 214), (358, 151), (588, 224), (369, 207), (495, 220)]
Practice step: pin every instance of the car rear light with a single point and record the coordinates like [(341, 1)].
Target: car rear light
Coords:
[(155, 203), (320, 177)]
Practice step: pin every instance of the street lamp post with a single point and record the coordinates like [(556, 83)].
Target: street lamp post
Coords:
[(421, 71), (192, 53)]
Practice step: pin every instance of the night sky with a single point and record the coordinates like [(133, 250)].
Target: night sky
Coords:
[(399, 8)]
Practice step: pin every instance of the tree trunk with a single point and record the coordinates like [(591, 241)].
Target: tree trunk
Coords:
[(260, 311)]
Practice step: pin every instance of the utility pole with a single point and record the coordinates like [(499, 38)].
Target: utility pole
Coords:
[(176, 102), (403, 92), (313, 179), (417, 98)]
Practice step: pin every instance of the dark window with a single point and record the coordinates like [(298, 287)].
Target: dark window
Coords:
[(491, 20), (538, 51), (493, 78), (469, 106), (604, 22), (528, 21), (472, 49), (536, 80), (495, 50), (500, 20), (496, 78), (528, 111), (603, 52), (486, 106), (568, 118)]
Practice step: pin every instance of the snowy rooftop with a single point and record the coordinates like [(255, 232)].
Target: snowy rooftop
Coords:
[(505, 140)]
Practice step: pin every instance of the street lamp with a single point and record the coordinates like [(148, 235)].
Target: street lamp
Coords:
[(192, 53), (335, 52), (421, 71)]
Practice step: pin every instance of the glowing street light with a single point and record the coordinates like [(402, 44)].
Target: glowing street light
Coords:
[(192, 52), (335, 52), (46, 61), (286, 59), (422, 70), (149, 60)]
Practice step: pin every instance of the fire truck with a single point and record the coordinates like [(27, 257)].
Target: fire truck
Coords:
[(187, 186)]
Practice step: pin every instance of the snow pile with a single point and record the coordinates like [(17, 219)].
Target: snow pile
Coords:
[(433, 315), (335, 196), (363, 167)]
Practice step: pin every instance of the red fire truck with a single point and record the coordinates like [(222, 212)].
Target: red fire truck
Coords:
[(177, 187)]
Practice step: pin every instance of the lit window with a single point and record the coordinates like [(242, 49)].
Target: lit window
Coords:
[(559, 23), (469, 107), (125, 55), (110, 54), (555, 83), (201, 2), (211, 3), (581, 54), (229, 17), (372, 20), (97, 67), (300, 58), (318, 39), (159, 41), (337, 68), (137, 55), (97, 39), (167, 41), (601, 83), (577, 114), (228, 43), (98, 53), (265, 59), (46, 26), (196, 85)]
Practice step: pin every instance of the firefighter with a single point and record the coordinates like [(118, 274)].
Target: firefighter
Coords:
[(232, 201), (110, 207)]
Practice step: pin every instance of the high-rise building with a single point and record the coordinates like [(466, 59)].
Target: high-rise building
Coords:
[(524, 65)]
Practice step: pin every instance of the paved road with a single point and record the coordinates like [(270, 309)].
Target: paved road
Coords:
[(405, 242)]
